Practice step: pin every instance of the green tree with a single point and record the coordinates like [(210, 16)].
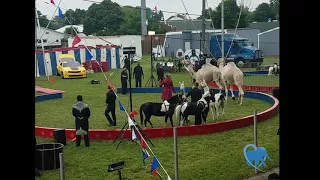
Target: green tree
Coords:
[(231, 15), (71, 30), (263, 12), (103, 19), (76, 16), (154, 22), (43, 20), (275, 5), (132, 21)]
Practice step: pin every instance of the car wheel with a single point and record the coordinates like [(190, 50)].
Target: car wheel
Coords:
[(62, 76)]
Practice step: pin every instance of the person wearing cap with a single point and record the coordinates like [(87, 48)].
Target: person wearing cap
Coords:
[(167, 85), (195, 93), (138, 73), (111, 107), (81, 112)]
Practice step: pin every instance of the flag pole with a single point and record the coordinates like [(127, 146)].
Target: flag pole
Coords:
[(36, 38), (44, 56)]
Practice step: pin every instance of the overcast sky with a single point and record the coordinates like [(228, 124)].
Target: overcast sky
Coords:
[(166, 5)]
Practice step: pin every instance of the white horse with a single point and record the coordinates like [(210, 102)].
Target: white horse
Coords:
[(274, 70), (231, 74), (182, 89)]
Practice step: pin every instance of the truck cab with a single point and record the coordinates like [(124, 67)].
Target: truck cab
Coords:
[(240, 50)]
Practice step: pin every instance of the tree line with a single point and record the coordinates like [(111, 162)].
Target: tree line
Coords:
[(109, 18)]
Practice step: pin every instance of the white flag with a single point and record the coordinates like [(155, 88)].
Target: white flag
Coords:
[(169, 178), (130, 122)]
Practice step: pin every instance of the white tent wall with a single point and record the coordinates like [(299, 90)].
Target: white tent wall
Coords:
[(126, 41), (48, 63)]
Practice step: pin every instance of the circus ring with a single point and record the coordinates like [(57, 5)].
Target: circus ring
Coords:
[(104, 134)]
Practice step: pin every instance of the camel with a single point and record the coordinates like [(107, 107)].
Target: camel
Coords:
[(207, 72), (231, 74)]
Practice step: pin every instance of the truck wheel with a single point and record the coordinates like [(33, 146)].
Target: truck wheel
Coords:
[(240, 62)]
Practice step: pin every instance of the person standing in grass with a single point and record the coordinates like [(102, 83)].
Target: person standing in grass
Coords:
[(81, 113), (138, 73), (167, 85), (111, 107), (124, 79)]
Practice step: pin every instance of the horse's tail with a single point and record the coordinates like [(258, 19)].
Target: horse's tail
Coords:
[(141, 114), (178, 113)]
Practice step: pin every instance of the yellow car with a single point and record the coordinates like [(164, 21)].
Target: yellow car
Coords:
[(69, 68)]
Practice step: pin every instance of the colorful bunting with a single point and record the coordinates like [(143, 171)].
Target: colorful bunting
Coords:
[(121, 106), (145, 155), (147, 22), (169, 178), (76, 40), (130, 122), (135, 134), (60, 14), (52, 2), (155, 8), (111, 85), (155, 164), (143, 143), (155, 173)]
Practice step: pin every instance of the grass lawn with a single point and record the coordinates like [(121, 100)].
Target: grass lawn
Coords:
[(205, 157), (214, 156)]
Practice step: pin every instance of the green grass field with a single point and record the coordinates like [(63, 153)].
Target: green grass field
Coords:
[(214, 156)]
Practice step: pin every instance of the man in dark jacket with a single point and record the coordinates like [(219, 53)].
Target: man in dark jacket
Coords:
[(195, 93), (81, 112), (138, 73), (126, 62), (111, 107), (160, 73), (124, 83)]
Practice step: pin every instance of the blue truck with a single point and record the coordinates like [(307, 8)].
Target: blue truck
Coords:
[(241, 51)]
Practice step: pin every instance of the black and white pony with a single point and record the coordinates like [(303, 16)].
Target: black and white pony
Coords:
[(165, 109), (199, 109), (274, 70), (216, 103), (219, 101)]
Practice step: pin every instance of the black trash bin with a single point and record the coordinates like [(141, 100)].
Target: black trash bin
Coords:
[(47, 156), (60, 136)]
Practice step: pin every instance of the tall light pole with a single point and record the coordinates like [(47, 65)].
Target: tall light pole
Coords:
[(202, 42), (222, 29), (144, 30)]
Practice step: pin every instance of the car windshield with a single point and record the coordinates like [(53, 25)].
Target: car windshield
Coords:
[(243, 42), (67, 59), (73, 64)]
